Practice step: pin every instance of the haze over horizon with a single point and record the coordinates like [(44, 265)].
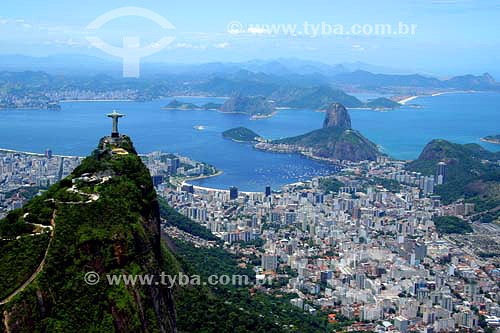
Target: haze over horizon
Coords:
[(451, 37)]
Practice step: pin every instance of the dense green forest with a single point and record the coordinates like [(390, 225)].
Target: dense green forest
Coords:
[(173, 218), (25, 254), (234, 308), (117, 232), (451, 225), (389, 184), (330, 185)]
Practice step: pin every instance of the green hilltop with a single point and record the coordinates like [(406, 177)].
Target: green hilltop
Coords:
[(313, 97), (472, 174), (106, 218), (241, 134), (103, 218), (251, 105), (382, 103)]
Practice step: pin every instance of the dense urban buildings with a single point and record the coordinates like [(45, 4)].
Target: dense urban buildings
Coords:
[(368, 249), (24, 175), (362, 243)]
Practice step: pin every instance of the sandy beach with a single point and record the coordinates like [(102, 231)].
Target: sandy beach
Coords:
[(406, 100)]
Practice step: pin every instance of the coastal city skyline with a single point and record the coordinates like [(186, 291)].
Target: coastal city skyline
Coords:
[(250, 166)]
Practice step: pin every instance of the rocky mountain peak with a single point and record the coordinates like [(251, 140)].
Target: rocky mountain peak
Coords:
[(337, 117)]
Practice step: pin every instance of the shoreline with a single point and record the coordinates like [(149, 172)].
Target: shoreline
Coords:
[(257, 117), (218, 173), (197, 96), (304, 154), (411, 98), (489, 141), (95, 100), (211, 189), (34, 154), (406, 100), (240, 141), (180, 109)]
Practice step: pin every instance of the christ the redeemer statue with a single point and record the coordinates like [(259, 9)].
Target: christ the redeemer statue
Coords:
[(115, 115)]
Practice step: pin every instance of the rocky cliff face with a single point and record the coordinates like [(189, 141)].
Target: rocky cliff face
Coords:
[(337, 117), (103, 218)]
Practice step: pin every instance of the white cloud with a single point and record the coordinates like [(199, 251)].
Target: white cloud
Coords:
[(182, 45), (64, 42), (155, 45), (257, 30), (224, 45), (357, 47)]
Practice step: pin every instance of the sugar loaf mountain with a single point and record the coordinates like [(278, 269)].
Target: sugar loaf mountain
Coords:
[(335, 140)]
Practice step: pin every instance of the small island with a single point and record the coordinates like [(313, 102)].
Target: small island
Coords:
[(242, 134), (176, 105), (260, 107), (492, 139)]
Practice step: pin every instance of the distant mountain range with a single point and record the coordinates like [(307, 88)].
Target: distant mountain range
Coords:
[(90, 65), (296, 71), (369, 80), (294, 84)]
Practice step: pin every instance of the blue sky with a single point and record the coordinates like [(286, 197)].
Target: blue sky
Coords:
[(452, 36)]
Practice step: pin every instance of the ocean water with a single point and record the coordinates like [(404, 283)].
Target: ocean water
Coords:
[(77, 127), (458, 117)]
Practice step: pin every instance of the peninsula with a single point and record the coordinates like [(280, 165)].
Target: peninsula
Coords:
[(335, 141)]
